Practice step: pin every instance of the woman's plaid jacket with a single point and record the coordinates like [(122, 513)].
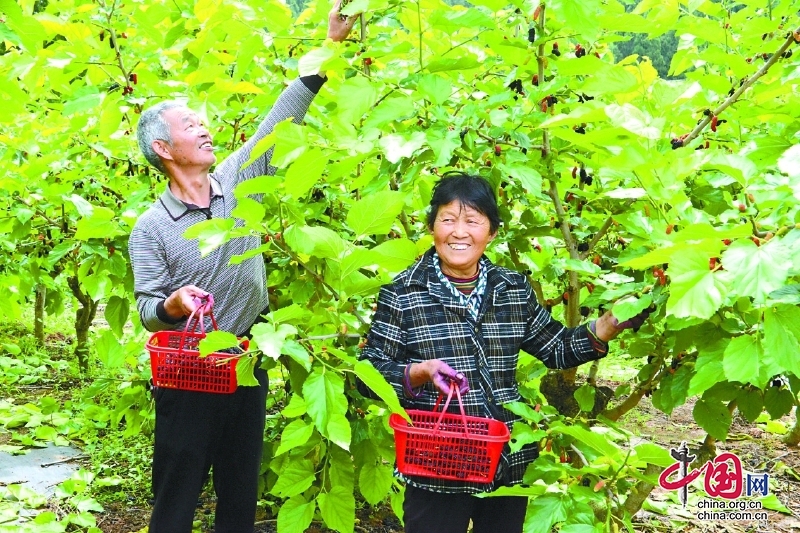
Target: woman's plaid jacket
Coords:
[(417, 319)]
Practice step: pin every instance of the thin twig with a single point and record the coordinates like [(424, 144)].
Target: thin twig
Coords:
[(67, 460)]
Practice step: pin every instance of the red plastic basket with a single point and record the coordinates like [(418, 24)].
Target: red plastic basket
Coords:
[(448, 446), (176, 363)]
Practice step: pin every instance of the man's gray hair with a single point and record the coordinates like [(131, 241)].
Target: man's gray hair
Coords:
[(153, 127)]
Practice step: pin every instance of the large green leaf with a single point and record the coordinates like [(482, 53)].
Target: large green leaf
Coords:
[(378, 384), (296, 433), (396, 146), (709, 368), (245, 368), (435, 88), (339, 430), (742, 359), (630, 307), (97, 226), (375, 214), (375, 481), (523, 434), (338, 509), (778, 401), (295, 515), (543, 512), (116, 314), (395, 254), (324, 396), (713, 417), (216, 341), (653, 454), (782, 337), (598, 442), (270, 337), (315, 240), (635, 121), (305, 172), (757, 270), (109, 350), (443, 143), (211, 234), (528, 177), (354, 98), (294, 479), (312, 61), (695, 291)]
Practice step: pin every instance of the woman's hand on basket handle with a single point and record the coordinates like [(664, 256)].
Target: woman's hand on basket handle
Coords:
[(440, 373), (186, 300)]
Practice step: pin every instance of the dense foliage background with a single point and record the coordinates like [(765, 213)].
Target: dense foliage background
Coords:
[(668, 177)]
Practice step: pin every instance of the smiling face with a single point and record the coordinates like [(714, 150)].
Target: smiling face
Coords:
[(460, 235), (191, 145)]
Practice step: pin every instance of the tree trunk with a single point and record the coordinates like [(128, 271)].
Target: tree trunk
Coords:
[(84, 316), (38, 320), (639, 493), (793, 437)]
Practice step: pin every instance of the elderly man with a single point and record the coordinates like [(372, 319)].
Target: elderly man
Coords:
[(196, 431)]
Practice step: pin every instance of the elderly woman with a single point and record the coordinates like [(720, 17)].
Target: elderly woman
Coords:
[(454, 316)]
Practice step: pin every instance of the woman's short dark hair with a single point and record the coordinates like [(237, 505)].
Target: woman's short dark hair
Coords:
[(471, 191)]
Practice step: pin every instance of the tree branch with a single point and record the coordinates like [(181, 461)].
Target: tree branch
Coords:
[(597, 237), (746, 84)]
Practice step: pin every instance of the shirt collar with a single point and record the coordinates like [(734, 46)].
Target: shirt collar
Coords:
[(177, 208), (423, 271)]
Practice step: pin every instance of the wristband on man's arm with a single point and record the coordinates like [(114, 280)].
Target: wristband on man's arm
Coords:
[(163, 316), (313, 82)]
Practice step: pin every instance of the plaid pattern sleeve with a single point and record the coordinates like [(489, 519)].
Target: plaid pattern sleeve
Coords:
[(418, 318), (554, 344)]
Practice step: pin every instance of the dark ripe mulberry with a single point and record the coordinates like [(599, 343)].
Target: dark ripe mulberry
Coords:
[(587, 180), (583, 174), (552, 100), (463, 133), (234, 350), (556, 51), (531, 34), (583, 247), (707, 112), (557, 225), (676, 143), (516, 86), (580, 129), (586, 311), (787, 54)]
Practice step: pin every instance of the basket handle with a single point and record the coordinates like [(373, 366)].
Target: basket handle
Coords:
[(453, 387), (196, 318)]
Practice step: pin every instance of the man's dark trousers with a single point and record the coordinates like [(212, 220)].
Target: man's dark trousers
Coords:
[(196, 431)]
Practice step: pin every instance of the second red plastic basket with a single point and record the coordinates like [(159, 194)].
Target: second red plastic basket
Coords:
[(175, 361), (448, 446)]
